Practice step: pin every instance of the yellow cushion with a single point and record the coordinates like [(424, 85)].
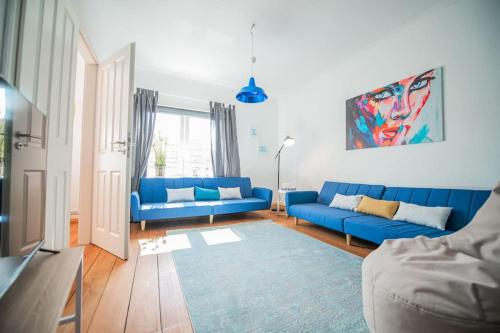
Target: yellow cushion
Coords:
[(381, 208)]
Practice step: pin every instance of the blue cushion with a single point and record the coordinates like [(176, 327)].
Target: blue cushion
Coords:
[(321, 214), (377, 229), (163, 210), (329, 190), (153, 190), (242, 182), (201, 194), (464, 203), (239, 205)]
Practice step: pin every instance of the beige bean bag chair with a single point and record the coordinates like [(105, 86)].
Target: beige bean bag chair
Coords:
[(447, 284)]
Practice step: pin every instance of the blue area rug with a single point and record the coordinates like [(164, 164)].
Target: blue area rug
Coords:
[(273, 279)]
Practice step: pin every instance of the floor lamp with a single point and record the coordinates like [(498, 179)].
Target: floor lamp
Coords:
[(287, 142)]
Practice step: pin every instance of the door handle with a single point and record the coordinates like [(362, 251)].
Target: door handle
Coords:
[(20, 145), (20, 135), (122, 148)]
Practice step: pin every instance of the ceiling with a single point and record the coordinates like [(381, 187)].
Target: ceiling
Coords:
[(210, 40)]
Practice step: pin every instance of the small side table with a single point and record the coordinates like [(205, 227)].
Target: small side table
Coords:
[(282, 192), (36, 300)]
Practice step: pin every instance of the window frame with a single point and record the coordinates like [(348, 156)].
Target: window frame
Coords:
[(185, 115)]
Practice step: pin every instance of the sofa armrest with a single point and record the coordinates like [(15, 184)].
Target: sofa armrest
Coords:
[(135, 204), (298, 197), (264, 194)]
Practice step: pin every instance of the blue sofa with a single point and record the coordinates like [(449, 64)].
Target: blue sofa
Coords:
[(313, 207), (150, 201)]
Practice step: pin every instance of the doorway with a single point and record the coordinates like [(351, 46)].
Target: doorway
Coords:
[(82, 146)]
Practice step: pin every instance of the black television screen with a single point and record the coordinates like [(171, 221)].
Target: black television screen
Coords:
[(23, 167)]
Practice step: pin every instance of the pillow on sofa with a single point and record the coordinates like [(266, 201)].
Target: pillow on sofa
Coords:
[(180, 194), (435, 217), (349, 202), (201, 193), (381, 208), (229, 193)]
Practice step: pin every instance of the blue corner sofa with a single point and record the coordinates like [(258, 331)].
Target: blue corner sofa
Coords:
[(313, 207), (150, 201)]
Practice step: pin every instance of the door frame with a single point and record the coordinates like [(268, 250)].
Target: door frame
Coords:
[(87, 141)]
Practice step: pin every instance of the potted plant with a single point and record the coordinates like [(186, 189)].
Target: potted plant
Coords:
[(159, 148)]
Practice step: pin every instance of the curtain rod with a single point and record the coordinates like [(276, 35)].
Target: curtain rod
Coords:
[(184, 97)]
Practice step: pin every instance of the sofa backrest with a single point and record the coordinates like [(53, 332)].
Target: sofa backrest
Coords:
[(464, 203), (329, 189), (242, 182), (155, 189)]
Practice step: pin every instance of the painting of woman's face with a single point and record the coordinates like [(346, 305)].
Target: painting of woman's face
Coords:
[(389, 116)]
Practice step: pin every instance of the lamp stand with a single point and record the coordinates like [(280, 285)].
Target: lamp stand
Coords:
[(278, 156)]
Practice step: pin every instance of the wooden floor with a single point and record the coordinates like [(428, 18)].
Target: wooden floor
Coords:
[(143, 293)]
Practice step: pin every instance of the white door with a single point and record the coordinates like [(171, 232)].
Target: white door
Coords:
[(27, 177), (111, 179), (61, 88)]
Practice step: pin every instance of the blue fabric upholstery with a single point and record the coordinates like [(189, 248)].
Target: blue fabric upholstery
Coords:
[(149, 203), (153, 190), (242, 182), (135, 205), (321, 214), (239, 205), (163, 210), (464, 203), (264, 194), (299, 197), (330, 188), (313, 207), (377, 229)]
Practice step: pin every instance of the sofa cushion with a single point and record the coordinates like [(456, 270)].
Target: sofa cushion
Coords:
[(163, 210), (330, 188), (382, 208), (434, 217), (152, 190), (242, 182), (321, 214), (238, 205), (203, 194), (464, 203), (180, 194), (377, 229)]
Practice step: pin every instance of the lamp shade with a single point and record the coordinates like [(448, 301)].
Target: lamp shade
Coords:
[(251, 93), (289, 141)]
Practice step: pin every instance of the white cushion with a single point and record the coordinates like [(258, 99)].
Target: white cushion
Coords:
[(349, 202), (435, 217), (229, 193), (180, 194)]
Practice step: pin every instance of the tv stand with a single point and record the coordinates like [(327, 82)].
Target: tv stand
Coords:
[(36, 300)]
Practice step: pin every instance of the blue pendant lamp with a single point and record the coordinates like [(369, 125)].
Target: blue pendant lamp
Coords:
[(251, 93)]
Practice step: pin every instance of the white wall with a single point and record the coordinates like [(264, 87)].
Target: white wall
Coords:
[(193, 94), (461, 36)]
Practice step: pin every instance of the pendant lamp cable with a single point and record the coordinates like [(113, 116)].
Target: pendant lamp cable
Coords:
[(254, 59)]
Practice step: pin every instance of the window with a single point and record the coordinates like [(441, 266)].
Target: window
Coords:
[(183, 137)]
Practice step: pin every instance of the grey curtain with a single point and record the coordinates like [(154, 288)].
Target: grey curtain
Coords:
[(224, 141), (145, 105)]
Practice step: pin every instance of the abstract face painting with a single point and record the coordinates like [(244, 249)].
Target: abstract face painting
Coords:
[(405, 112)]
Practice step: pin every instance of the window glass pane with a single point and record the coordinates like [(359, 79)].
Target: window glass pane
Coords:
[(185, 141), (198, 162)]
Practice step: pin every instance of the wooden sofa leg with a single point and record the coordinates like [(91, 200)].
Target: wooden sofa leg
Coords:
[(211, 219), (143, 225), (296, 219), (348, 239)]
